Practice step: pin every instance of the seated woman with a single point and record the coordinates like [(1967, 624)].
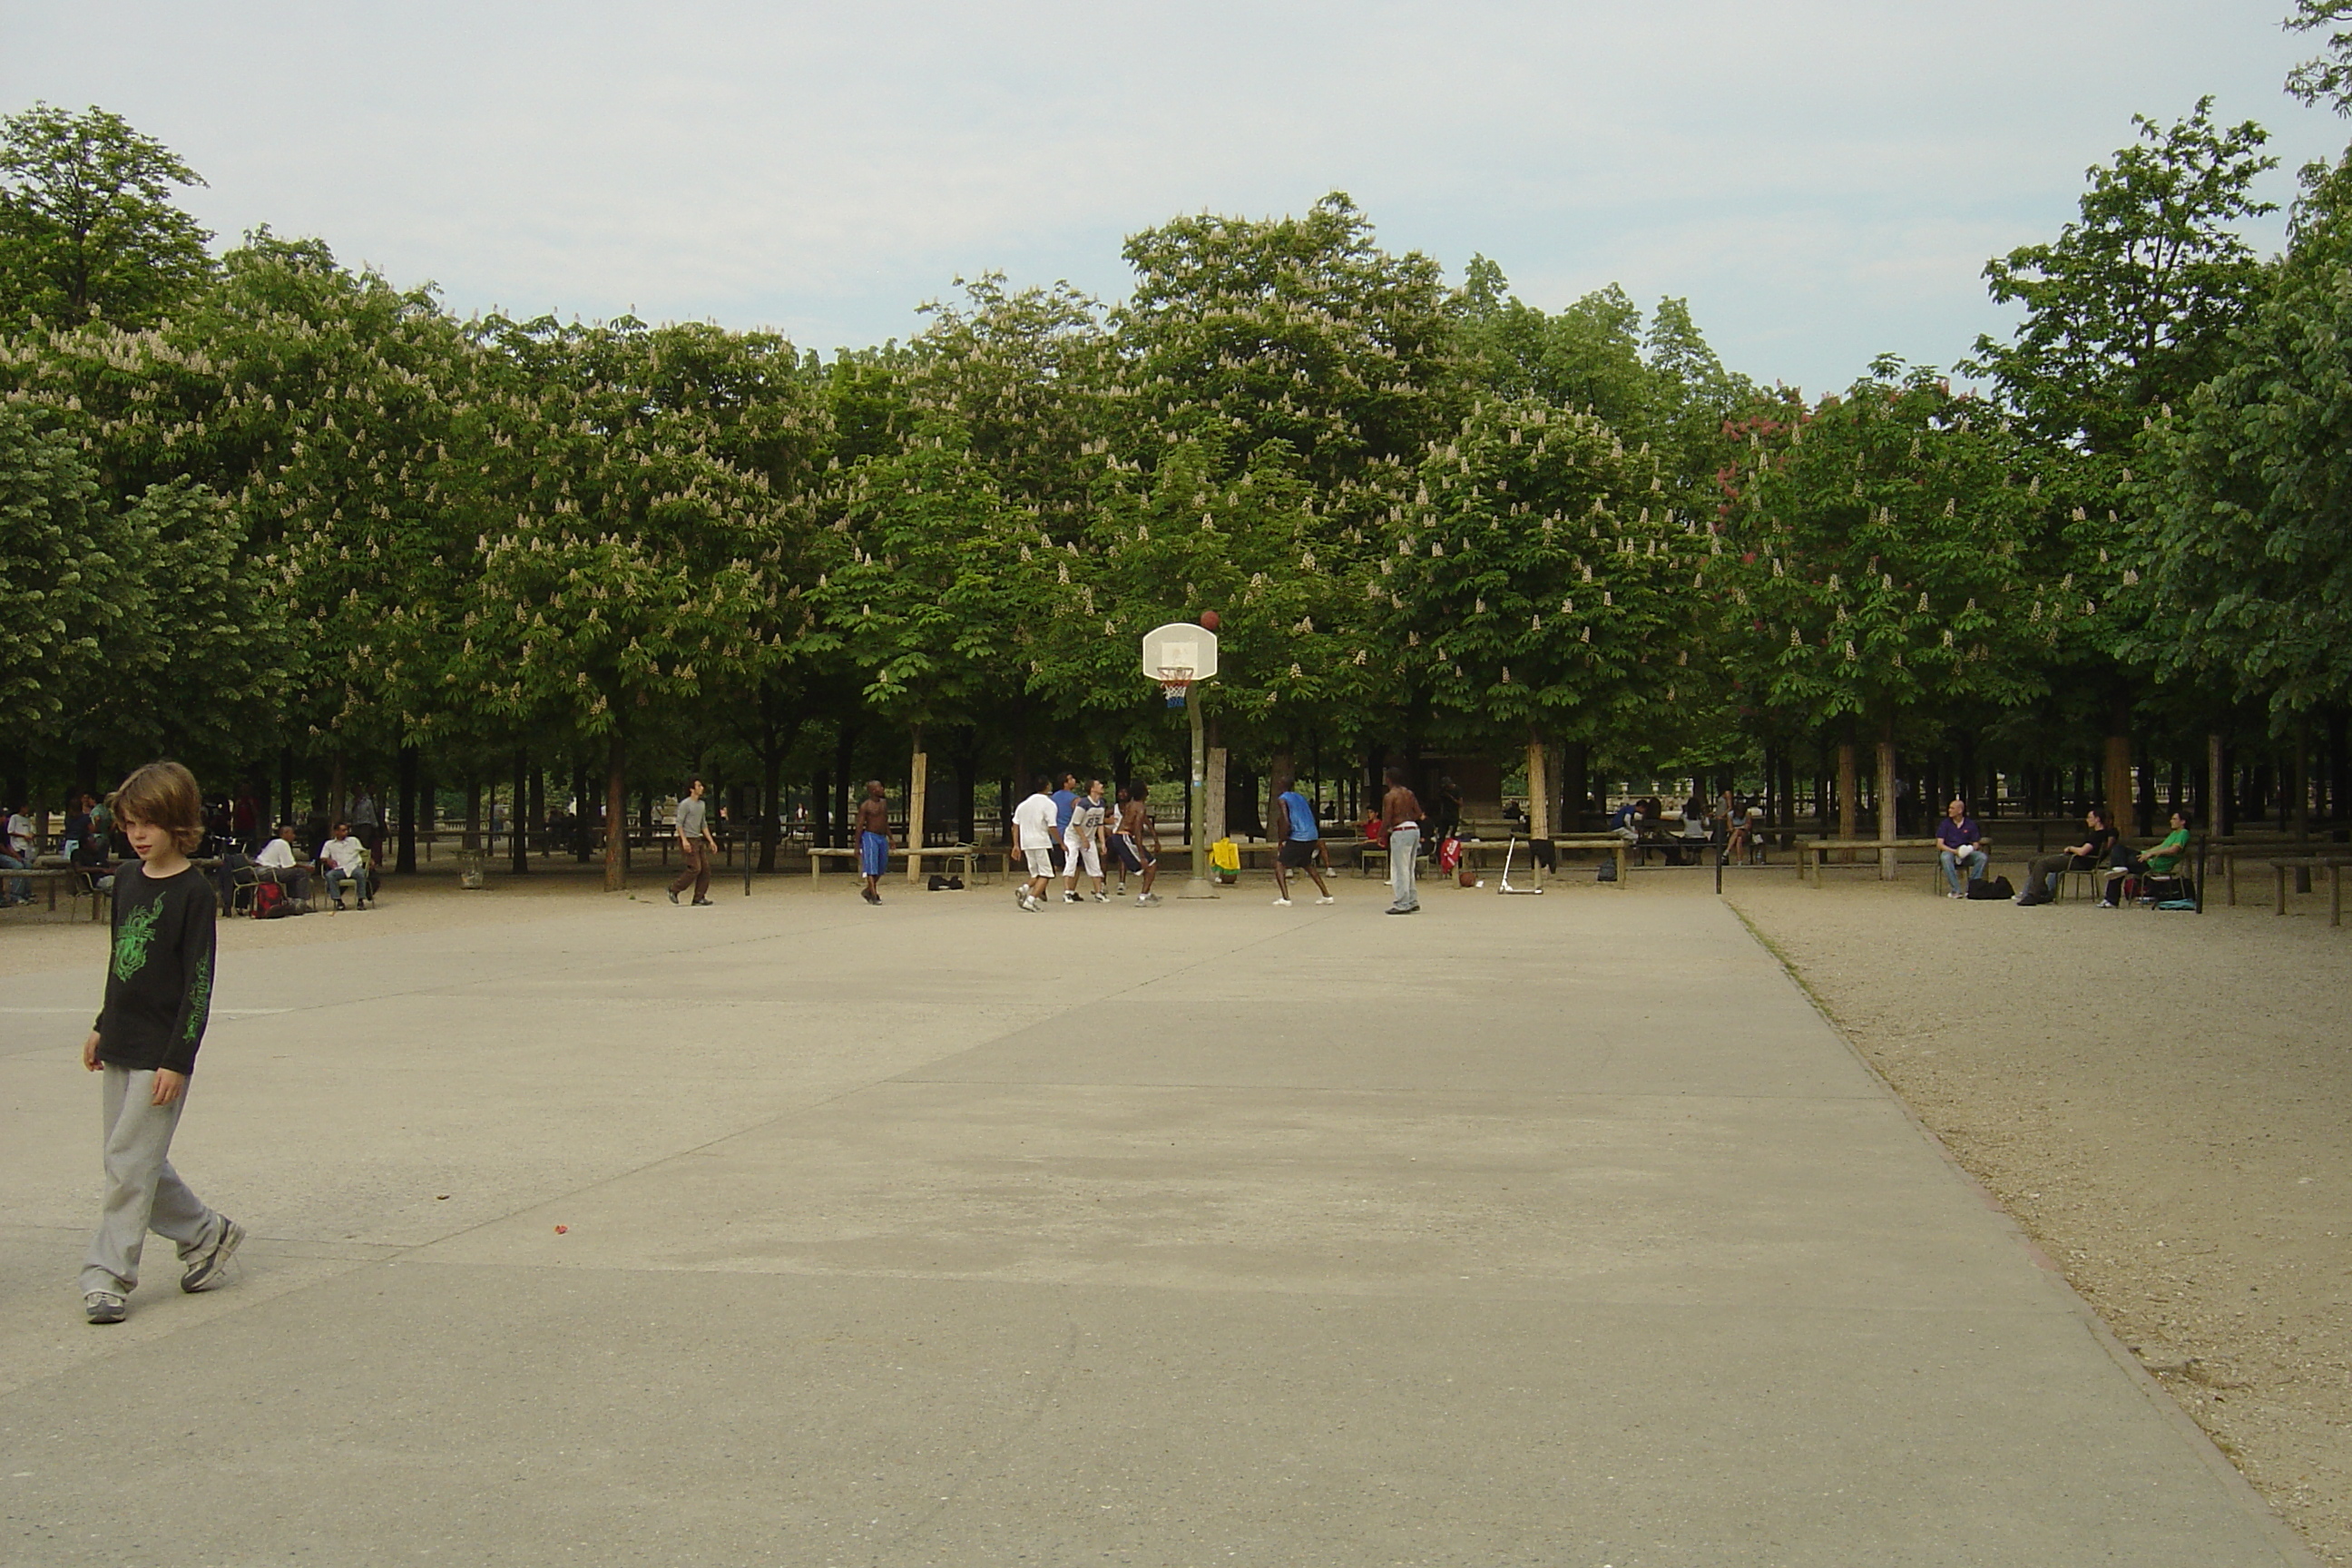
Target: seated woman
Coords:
[(2097, 848), (2164, 860)]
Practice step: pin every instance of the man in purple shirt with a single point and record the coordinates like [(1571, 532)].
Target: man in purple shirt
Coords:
[(1961, 845)]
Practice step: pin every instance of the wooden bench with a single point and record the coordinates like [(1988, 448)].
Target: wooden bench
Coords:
[(76, 880), (913, 858), (1813, 854), (2331, 864)]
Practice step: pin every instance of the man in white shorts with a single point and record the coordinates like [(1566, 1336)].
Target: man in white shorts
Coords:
[(1032, 841), (1082, 844)]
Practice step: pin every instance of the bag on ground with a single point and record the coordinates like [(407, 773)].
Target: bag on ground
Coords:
[(1990, 888)]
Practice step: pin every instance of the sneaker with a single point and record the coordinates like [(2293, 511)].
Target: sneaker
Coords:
[(672, 897), (1147, 899), (1030, 904), (205, 1272), (1102, 898), (706, 904), (1070, 898), (1326, 898), (104, 1307), (1282, 903), (338, 905)]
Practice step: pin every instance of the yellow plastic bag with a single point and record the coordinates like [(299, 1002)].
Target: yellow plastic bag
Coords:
[(1225, 858)]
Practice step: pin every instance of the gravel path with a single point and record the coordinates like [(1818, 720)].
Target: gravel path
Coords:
[(2160, 1099)]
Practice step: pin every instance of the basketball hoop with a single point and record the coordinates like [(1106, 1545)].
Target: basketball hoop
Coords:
[(1175, 681)]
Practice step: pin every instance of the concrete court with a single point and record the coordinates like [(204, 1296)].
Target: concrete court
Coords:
[(1557, 1231)]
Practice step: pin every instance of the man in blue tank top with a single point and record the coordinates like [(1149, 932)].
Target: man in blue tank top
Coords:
[(1298, 841)]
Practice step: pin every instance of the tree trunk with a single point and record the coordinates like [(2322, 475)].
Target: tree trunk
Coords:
[(473, 839), (2218, 813), (844, 753), (408, 811), (285, 784), (1538, 788), (539, 805), (1212, 797), (617, 814), (771, 811), (519, 815), (1889, 818), (1577, 764), (1848, 795), (335, 792), (2116, 786), (918, 801)]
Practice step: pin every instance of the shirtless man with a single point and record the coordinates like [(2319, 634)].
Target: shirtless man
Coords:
[(1401, 814), (1082, 842), (1126, 844), (872, 841)]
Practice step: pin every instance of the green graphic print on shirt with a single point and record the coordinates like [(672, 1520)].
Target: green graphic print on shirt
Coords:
[(130, 943), (200, 999)]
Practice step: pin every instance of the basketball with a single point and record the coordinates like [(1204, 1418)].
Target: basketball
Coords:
[(1208, 620)]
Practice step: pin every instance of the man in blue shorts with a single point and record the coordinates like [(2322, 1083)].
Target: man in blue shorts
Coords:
[(872, 841), (1298, 841)]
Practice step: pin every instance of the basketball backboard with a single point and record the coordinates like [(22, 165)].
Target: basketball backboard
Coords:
[(1180, 650)]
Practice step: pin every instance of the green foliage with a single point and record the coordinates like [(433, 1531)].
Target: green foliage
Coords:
[(1539, 582), (2326, 79), (2250, 564), (2128, 308), (1874, 558), (71, 571), (86, 225)]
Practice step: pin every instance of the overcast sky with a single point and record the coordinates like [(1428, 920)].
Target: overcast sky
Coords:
[(1823, 181)]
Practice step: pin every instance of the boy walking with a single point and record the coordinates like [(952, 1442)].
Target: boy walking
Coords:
[(159, 992)]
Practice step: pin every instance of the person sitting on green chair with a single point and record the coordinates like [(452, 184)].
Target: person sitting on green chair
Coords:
[(2164, 860)]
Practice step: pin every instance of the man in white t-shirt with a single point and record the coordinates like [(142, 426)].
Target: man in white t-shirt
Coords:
[(1034, 823), (1082, 842), (279, 865), (18, 856), (343, 859)]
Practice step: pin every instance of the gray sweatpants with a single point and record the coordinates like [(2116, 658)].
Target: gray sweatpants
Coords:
[(1405, 849), (143, 1192)]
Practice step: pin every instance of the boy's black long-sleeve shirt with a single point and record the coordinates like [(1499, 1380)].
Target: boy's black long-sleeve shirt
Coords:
[(159, 984)]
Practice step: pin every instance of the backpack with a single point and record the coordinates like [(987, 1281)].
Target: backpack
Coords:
[(268, 900), (1608, 872), (1449, 853), (1992, 887)]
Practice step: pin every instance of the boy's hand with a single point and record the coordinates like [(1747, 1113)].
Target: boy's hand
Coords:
[(169, 1087), (90, 1053)]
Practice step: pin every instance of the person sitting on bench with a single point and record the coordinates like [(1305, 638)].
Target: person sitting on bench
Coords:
[(2096, 850)]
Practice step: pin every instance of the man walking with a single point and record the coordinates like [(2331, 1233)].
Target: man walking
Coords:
[(1401, 814), (1298, 839), (1033, 844), (694, 839), (872, 841)]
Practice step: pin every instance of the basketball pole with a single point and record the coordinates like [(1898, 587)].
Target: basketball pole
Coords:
[(1200, 887)]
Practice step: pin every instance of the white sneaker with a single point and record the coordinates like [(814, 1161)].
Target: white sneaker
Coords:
[(1326, 898), (1282, 903), (1102, 898)]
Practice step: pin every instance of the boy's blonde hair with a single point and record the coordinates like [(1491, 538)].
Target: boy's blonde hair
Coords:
[(165, 795)]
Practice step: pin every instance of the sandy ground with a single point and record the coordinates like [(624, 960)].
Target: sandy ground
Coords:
[(2160, 1099)]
